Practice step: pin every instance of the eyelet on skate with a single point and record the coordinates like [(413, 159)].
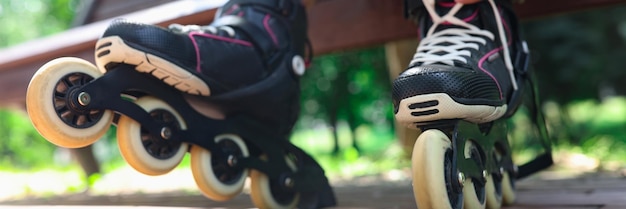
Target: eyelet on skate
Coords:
[(298, 66)]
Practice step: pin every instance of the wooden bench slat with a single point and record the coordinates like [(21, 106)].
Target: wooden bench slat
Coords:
[(334, 25)]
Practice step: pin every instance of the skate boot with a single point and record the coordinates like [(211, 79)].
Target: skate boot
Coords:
[(467, 73), (231, 58), (227, 93), (208, 60), (464, 67)]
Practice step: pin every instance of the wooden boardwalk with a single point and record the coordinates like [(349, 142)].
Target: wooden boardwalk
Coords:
[(554, 190)]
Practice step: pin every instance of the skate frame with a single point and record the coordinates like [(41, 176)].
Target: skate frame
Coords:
[(308, 180)]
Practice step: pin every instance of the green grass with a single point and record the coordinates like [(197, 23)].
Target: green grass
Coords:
[(379, 151)]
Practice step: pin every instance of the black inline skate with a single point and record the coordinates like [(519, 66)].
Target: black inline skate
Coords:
[(468, 75), (227, 93)]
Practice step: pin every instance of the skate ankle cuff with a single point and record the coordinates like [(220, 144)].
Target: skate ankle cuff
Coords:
[(258, 36), (284, 7)]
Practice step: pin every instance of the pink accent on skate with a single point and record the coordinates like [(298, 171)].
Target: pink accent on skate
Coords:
[(197, 48), (446, 4), (266, 23), (482, 61), (509, 39), (231, 9), (471, 17), (492, 52), (467, 19)]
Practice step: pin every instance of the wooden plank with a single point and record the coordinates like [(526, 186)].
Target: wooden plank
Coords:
[(535, 9), (348, 24), (83, 38), (19, 63), (112, 8), (375, 191), (335, 25)]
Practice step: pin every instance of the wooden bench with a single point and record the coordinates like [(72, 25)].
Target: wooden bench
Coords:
[(335, 25)]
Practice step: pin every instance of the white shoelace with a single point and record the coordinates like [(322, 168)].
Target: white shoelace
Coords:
[(204, 29), (452, 44)]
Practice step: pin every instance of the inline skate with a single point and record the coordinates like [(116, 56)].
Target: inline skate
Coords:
[(469, 74), (227, 93)]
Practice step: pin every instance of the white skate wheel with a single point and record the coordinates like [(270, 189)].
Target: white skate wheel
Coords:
[(218, 181), (131, 140), (262, 194), (508, 189), (298, 65), (49, 112), (431, 162), (473, 196), (493, 190)]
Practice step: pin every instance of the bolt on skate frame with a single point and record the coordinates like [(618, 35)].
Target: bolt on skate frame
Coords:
[(72, 104)]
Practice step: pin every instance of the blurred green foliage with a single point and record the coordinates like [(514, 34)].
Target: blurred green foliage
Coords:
[(21, 147), (579, 61), (580, 56), (352, 88), (23, 20), (20, 144)]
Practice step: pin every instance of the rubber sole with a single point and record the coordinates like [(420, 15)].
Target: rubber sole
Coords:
[(113, 49), (440, 106)]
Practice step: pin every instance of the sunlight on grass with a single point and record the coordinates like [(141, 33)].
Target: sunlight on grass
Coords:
[(379, 151), (598, 128), (40, 183)]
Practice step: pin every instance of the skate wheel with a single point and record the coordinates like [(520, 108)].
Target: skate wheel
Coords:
[(49, 111), (474, 197), (269, 193), (494, 193), (508, 189), (213, 173), (137, 146), (432, 171)]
